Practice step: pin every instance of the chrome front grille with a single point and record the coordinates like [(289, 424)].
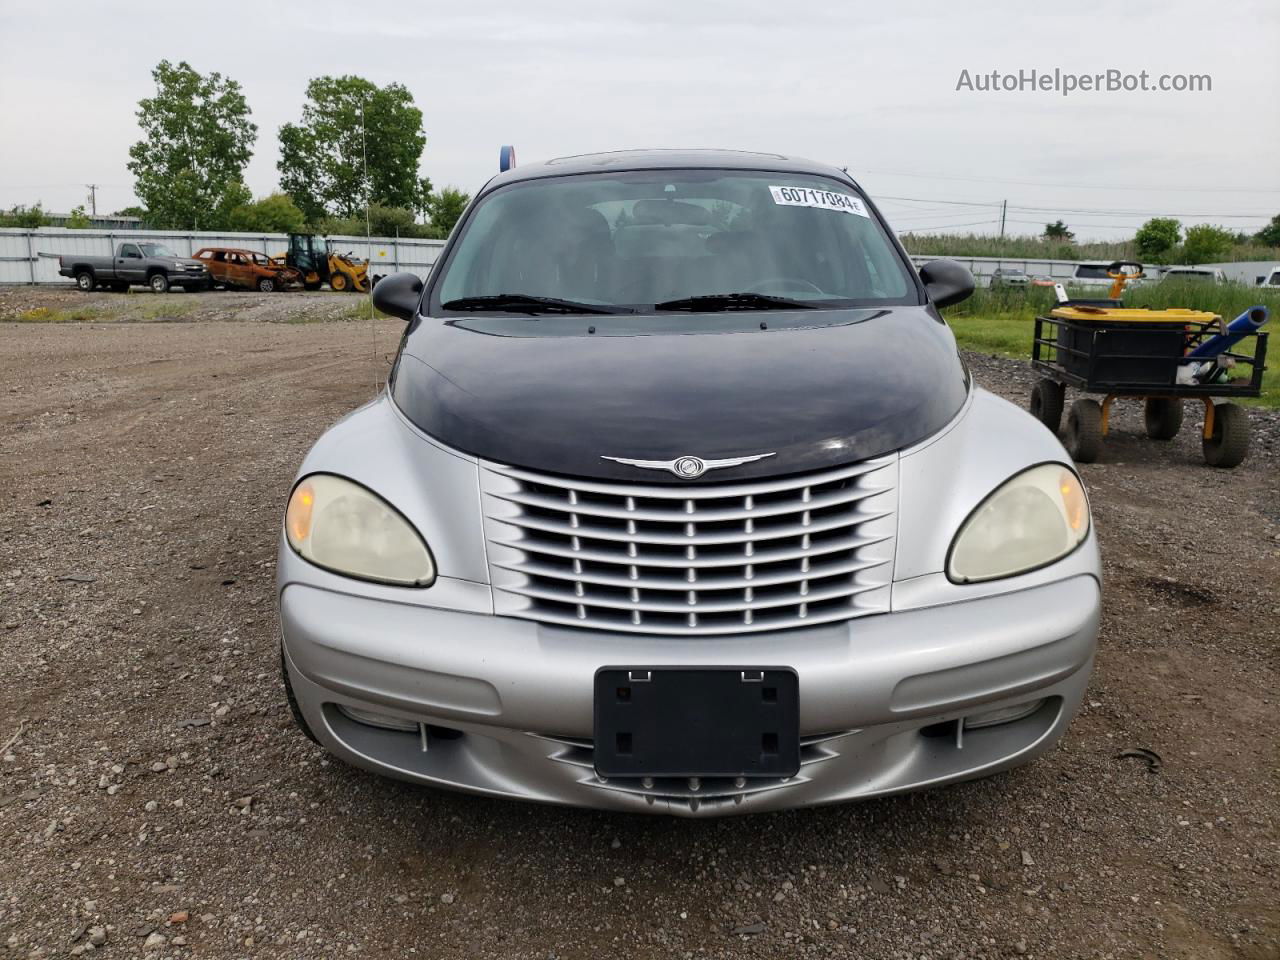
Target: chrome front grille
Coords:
[(691, 558)]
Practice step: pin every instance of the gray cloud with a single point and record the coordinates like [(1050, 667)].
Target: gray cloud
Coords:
[(870, 86)]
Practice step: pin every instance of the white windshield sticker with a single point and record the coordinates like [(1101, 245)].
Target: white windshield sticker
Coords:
[(822, 199)]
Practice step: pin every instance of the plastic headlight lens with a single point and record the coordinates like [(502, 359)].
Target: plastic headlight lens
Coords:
[(341, 526), (1032, 520)]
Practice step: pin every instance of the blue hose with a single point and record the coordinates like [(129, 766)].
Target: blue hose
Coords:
[(1239, 328)]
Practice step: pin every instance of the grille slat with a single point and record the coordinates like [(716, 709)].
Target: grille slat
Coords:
[(586, 508), (691, 559), (650, 604), (754, 488), (686, 531), (748, 579)]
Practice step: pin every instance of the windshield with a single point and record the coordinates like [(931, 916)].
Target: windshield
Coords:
[(673, 239), (156, 250)]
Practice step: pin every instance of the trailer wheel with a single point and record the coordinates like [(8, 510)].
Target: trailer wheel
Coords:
[(266, 284), (158, 282), (85, 281), (1163, 417), (1084, 431), (1230, 441), (1046, 403)]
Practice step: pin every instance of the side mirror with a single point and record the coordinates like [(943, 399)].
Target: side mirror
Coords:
[(398, 295), (946, 282)]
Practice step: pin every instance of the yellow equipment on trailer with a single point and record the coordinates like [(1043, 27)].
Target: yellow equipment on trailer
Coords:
[(1162, 356)]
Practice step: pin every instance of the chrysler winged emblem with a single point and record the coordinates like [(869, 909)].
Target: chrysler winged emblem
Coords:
[(688, 468)]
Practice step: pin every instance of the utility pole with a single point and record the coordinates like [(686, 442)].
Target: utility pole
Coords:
[(93, 197), (1004, 206)]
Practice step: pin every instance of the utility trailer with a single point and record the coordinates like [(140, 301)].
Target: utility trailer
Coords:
[(1162, 356)]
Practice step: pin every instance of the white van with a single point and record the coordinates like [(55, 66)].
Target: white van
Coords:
[(1195, 274)]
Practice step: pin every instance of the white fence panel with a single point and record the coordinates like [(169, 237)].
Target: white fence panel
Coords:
[(31, 256)]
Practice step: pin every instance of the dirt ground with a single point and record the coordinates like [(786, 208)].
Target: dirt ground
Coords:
[(64, 304), (156, 799)]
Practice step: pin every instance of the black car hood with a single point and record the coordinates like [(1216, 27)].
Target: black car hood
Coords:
[(815, 388)]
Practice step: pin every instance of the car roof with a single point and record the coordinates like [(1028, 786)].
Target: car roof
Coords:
[(666, 160), (230, 250)]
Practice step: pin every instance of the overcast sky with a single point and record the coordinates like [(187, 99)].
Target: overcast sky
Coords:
[(870, 86)]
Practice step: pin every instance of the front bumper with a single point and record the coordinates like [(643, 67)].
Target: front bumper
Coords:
[(506, 704)]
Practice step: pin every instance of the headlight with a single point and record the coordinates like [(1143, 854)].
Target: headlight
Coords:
[(1031, 520), (341, 526)]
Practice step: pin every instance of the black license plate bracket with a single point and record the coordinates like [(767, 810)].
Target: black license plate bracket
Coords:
[(697, 722)]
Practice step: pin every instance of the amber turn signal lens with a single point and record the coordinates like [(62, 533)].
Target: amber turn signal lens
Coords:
[(297, 518), (1073, 501)]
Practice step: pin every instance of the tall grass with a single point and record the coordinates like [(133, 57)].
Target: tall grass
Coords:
[(1039, 248), (1228, 300)]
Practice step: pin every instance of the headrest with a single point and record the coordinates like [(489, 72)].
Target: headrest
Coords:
[(659, 210)]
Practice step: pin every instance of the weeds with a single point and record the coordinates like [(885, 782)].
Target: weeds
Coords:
[(1228, 300), (49, 315), (360, 311), (167, 309), (1039, 248)]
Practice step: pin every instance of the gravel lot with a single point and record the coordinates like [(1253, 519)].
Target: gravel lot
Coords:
[(156, 800)]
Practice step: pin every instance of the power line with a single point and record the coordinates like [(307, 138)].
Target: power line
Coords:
[(1141, 213), (1085, 223), (1085, 210), (1072, 186), (932, 215), (953, 203), (952, 226)]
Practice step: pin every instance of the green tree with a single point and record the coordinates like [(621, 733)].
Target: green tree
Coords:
[(276, 213), (196, 140), (1156, 238), (322, 159), (20, 216), (1057, 231), (444, 208), (1205, 243), (78, 219), (1270, 234), (383, 221)]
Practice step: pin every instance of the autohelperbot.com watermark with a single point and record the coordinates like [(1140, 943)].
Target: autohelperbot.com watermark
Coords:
[(1067, 82)]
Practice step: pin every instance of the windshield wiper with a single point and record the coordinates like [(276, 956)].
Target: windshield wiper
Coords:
[(527, 303), (733, 301)]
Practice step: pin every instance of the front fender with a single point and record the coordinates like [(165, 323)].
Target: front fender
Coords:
[(437, 489), (941, 482)]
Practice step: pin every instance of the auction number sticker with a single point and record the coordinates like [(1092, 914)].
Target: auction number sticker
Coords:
[(822, 199)]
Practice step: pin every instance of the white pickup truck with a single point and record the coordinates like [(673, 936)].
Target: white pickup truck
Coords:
[(1271, 279)]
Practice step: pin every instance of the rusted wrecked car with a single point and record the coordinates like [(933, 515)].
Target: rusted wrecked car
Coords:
[(246, 269)]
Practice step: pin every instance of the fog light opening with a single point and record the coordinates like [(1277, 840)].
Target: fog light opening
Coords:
[(994, 718), (380, 720)]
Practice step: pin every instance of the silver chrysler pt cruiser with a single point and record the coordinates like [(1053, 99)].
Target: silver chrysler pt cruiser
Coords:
[(681, 499)]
